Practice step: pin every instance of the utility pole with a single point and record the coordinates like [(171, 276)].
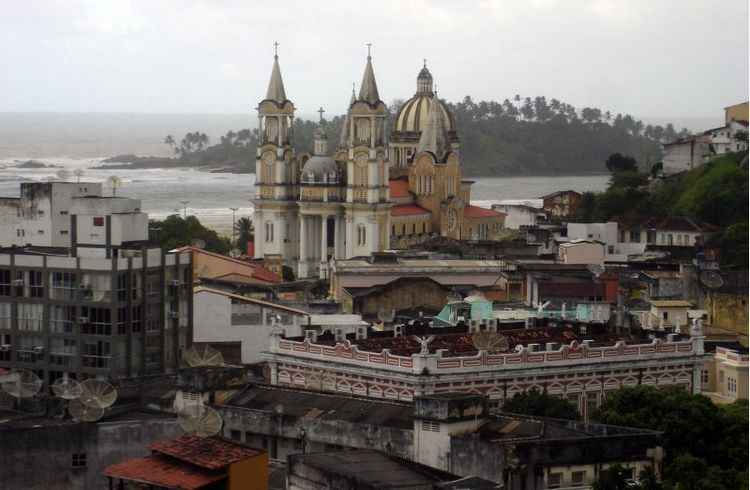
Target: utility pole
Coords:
[(234, 210), (184, 207)]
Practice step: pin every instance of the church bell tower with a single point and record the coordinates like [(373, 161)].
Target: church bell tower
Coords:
[(276, 173)]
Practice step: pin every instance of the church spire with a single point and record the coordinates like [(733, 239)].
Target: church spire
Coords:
[(433, 137), (276, 84), (368, 91), (344, 135)]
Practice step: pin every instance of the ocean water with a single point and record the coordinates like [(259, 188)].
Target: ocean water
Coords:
[(210, 195)]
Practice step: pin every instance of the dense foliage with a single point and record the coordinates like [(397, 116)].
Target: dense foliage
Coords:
[(715, 193), (176, 231), (541, 405), (528, 136), (706, 445)]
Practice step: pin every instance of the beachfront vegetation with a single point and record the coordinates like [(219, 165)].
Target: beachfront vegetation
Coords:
[(176, 231), (525, 136)]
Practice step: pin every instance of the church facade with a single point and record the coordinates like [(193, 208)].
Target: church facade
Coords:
[(343, 202)]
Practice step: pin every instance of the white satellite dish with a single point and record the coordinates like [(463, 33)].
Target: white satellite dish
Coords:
[(21, 383), (204, 355), (711, 279), (84, 413), (66, 388), (490, 341), (97, 394), (206, 423)]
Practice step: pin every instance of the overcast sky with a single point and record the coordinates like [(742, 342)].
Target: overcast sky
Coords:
[(648, 58)]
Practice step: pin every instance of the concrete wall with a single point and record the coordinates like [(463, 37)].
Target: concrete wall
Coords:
[(40, 458), (283, 435), (582, 253), (729, 312)]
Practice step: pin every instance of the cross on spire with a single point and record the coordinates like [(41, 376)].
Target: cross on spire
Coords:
[(424, 61), (275, 49), (369, 45), (321, 111)]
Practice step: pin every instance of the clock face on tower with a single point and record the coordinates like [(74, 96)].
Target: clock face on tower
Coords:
[(268, 158), (361, 159), (452, 219)]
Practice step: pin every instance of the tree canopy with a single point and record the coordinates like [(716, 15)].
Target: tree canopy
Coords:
[(541, 405), (176, 231), (528, 136), (706, 445)]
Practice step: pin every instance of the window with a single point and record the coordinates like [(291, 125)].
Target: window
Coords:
[(98, 221), (29, 317), (704, 377), (665, 315), (36, 286), (269, 231), (554, 480), (63, 213), (635, 236), (361, 235), (578, 478), (235, 435), (731, 385), (63, 232), (62, 319), (79, 460), (4, 282)]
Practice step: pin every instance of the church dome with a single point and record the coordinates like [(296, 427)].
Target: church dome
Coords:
[(414, 115), (320, 169)]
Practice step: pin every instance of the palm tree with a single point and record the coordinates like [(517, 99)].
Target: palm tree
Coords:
[(245, 232), (78, 173), (114, 182)]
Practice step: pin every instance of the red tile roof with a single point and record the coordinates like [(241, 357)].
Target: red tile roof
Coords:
[(399, 188), (477, 212), (160, 471), (408, 210), (211, 453), (258, 272)]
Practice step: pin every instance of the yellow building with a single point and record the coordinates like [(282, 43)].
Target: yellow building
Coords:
[(736, 112), (724, 377), (427, 186)]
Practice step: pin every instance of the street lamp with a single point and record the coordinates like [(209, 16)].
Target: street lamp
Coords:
[(234, 210), (184, 206)]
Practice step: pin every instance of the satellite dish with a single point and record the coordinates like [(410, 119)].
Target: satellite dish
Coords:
[(489, 341), (84, 413), (204, 355), (206, 424), (711, 279), (97, 394), (66, 388), (22, 383)]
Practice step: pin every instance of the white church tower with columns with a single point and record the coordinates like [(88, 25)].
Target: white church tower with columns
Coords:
[(311, 209)]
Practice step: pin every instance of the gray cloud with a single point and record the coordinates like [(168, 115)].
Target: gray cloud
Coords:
[(649, 58)]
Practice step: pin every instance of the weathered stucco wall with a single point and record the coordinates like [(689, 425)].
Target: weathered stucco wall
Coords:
[(41, 458)]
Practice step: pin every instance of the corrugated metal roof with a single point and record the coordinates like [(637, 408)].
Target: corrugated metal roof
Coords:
[(161, 472)]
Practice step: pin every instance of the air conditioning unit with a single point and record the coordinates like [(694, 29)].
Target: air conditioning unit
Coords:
[(83, 319), (18, 282), (83, 286), (339, 335), (38, 349), (175, 282), (5, 347), (174, 314)]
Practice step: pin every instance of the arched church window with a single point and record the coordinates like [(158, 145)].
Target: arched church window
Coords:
[(361, 235), (269, 231), (363, 130), (272, 129)]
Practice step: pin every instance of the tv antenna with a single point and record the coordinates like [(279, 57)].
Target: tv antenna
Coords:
[(21, 383), (66, 388), (200, 356), (84, 413), (711, 279), (490, 341), (201, 421), (96, 393)]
